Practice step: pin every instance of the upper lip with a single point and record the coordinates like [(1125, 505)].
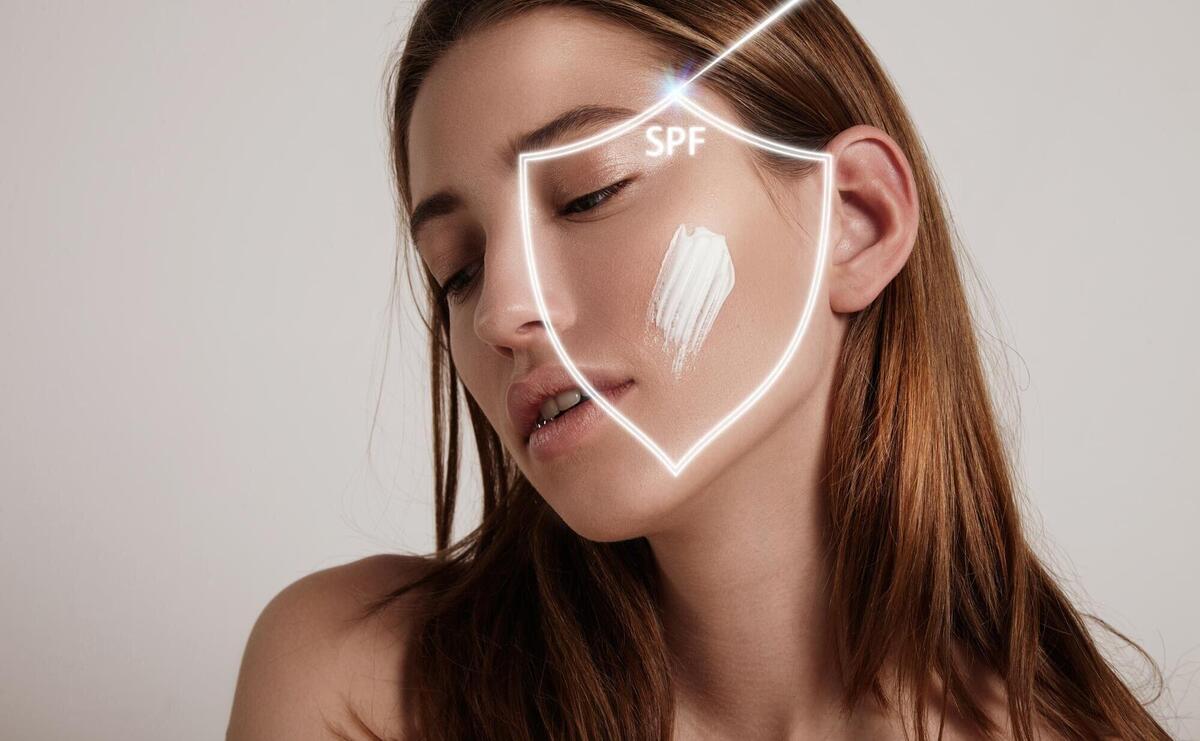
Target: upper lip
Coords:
[(526, 394)]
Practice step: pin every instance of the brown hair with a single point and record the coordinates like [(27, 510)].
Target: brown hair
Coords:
[(532, 631)]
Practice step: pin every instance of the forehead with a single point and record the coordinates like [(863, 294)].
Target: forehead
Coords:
[(512, 77)]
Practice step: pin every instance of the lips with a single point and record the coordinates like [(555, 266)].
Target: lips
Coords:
[(525, 395)]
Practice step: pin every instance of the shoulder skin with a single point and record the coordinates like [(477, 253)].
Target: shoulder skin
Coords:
[(312, 670)]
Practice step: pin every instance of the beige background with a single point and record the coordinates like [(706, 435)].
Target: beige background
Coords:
[(196, 235)]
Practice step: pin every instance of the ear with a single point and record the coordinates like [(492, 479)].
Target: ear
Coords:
[(875, 216)]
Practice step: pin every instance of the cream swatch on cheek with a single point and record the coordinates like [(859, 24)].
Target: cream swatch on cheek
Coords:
[(695, 278)]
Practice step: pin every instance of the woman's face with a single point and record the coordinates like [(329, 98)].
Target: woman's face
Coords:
[(604, 263)]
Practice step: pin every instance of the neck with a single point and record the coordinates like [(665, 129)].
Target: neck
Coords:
[(744, 601)]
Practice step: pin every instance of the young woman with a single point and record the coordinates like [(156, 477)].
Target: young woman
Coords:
[(845, 562)]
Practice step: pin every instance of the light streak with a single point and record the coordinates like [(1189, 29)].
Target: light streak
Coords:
[(676, 95)]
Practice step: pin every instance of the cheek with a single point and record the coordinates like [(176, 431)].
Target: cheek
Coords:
[(460, 336), (693, 282), (773, 276), (608, 270), (469, 356)]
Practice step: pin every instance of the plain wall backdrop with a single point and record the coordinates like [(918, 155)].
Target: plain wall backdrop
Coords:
[(196, 244)]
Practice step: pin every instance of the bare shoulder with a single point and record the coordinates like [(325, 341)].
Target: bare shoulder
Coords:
[(984, 685), (315, 668), (989, 691)]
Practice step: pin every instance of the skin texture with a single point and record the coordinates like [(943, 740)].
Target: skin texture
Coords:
[(743, 524), (312, 671)]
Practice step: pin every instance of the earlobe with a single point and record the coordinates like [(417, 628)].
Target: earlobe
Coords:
[(875, 216)]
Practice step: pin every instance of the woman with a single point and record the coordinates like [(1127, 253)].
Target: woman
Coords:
[(845, 562)]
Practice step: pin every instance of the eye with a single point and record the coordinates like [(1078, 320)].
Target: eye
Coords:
[(456, 286), (592, 200), (459, 284)]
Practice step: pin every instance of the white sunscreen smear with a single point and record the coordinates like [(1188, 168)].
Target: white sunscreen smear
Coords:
[(695, 278)]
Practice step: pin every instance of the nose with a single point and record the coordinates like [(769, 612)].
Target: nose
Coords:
[(506, 315)]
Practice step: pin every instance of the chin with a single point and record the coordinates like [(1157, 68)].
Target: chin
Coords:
[(628, 503), (606, 527), (627, 493)]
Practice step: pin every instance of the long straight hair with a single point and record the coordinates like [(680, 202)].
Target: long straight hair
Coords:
[(530, 631)]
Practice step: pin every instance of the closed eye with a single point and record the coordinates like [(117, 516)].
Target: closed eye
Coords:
[(457, 285), (593, 199)]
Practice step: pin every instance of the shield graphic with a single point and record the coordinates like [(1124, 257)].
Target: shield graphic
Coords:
[(684, 274)]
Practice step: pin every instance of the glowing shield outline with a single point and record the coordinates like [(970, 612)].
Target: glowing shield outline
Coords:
[(676, 96), (826, 160)]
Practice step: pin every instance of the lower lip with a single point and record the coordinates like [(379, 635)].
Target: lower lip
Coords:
[(570, 428)]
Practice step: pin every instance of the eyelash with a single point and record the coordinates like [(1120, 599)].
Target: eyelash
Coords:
[(604, 194), (458, 284)]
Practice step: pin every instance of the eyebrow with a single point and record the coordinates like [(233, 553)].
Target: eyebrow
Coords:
[(445, 202)]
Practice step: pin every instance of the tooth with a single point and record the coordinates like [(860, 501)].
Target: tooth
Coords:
[(567, 399), (549, 408)]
